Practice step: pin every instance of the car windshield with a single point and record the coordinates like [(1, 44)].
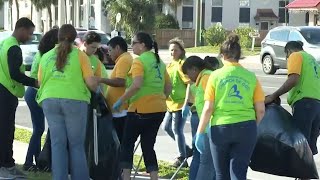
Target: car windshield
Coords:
[(104, 37), (311, 35)]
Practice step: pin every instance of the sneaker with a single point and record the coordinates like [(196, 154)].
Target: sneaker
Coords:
[(189, 151), (179, 161), (4, 174), (30, 167), (14, 171)]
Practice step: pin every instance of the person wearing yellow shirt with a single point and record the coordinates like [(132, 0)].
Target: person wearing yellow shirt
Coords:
[(117, 82), (174, 121), (234, 104), (65, 77), (148, 87)]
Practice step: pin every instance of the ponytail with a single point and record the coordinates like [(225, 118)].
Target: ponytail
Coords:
[(156, 51), (211, 63), (63, 51)]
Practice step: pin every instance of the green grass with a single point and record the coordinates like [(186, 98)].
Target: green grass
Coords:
[(24, 135), (165, 170), (216, 49), (36, 175)]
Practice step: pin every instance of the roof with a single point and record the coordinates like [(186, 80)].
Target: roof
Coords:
[(265, 14), (303, 4)]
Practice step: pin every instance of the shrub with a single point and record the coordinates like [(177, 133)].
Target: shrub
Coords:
[(215, 35), (166, 22), (243, 33)]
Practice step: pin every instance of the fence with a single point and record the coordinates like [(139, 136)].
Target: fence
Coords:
[(163, 36)]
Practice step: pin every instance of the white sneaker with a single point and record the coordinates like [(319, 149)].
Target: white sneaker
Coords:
[(16, 173), (4, 174)]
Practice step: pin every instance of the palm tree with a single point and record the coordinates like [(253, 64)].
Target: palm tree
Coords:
[(42, 4)]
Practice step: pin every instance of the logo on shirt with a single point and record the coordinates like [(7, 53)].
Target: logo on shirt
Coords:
[(158, 75), (234, 92)]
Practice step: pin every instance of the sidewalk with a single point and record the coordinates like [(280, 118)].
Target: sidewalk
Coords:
[(20, 150)]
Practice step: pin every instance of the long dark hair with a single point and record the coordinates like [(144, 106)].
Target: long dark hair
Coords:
[(231, 47), (48, 41), (210, 63), (149, 43), (66, 36)]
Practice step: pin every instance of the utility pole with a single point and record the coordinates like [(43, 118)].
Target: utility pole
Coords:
[(197, 41)]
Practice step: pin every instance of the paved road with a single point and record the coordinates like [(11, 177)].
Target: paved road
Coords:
[(165, 147)]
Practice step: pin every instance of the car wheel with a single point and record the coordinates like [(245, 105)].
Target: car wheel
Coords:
[(268, 65)]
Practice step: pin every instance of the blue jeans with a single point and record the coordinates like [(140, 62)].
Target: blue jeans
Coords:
[(231, 147), (174, 125), (67, 123), (37, 118), (202, 164)]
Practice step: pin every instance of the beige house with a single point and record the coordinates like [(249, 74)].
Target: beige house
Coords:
[(259, 14)]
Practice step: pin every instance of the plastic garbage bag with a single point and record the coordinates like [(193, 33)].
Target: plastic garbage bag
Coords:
[(44, 159), (281, 148), (106, 165)]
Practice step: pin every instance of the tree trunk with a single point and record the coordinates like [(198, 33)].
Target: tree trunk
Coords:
[(17, 7), (50, 16)]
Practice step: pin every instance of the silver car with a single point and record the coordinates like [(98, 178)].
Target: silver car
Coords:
[(272, 53), (29, 49)]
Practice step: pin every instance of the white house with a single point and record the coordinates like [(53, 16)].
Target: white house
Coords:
[(80, 13), (259, 14), (1, 19)]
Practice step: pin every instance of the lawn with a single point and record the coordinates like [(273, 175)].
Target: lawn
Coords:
[(165, 170), (216, 49)]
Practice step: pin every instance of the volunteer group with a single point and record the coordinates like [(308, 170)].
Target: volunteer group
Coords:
[(224, 101)]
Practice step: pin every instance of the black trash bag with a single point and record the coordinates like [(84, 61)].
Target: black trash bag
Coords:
[(44, 159), (108, 142), (281, 148)]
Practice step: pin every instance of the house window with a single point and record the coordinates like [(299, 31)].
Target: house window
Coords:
[(283, 12), (187, 17), (264, 26), (244, 13), (216, 11)]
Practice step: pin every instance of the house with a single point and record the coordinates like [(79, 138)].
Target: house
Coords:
[(309, 8), (80, 13), (259, 14)]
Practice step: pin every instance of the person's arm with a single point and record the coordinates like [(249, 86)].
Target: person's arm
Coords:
[(137, 75), (133, 89), (167, 85), (91, 81), (14, 63), (258, 102), (114, 82), (294, 70), (208, 108), (291, 82), (121, 72)]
